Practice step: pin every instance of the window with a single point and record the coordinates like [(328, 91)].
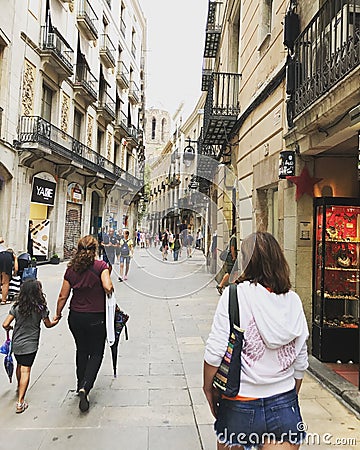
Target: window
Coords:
[(46, 103), (100, 138), (153, 128), (266, 20), (163, 129), (133, 46), (78, 118)]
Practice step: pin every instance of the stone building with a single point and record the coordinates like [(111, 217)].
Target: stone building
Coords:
[(72, 116), (157, 132), (282, 116)]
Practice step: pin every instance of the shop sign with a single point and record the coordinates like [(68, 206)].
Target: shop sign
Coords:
[(75, 193), (43, 191), (287, 164)]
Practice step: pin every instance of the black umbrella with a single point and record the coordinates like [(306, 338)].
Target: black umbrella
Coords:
[(8, 361), (120, 320)]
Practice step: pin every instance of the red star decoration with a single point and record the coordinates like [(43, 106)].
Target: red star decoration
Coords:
[(304, 183)]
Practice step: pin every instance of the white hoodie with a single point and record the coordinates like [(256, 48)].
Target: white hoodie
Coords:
[(274, 349)]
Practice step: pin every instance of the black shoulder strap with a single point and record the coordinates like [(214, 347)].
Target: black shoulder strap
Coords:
[(233, 306)]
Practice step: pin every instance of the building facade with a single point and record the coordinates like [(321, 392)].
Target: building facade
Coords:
[(72, 105), (281, 115)]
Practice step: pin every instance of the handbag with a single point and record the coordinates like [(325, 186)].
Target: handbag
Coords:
[(224, 254), (227, 377), (29, 273)]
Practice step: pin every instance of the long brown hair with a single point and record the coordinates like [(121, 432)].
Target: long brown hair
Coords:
[(85, 254), (264, 262), (31, 298)]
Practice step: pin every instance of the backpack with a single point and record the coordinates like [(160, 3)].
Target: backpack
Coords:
[(124, 248)]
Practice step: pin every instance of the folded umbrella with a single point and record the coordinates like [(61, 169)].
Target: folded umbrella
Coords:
[(4, 349), (120, 320), (8, 361)]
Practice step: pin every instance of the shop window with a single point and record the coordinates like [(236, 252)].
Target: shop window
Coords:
[(46, 102)]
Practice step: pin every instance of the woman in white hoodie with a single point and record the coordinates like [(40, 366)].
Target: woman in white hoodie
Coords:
[(265, 414)]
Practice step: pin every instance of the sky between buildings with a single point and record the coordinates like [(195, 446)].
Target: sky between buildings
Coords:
[(175, 46)]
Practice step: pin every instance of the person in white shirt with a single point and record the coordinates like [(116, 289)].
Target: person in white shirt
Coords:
[(274, 356)]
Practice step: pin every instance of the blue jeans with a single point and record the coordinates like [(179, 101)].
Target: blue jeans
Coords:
[(176, 255), (256, 422)]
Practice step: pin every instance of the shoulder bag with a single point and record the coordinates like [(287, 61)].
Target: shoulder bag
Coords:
[(224, 254), (227, 378)]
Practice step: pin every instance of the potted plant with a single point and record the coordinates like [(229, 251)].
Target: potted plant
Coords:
[(54, 259)]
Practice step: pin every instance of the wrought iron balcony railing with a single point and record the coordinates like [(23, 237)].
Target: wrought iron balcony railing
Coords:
[(36, 130), (213, 29), (53, 44), (134, 95), (107, 51), (326, 51), (86, 19), (123, 27), (85, 83), (106, 106), (122, 122), (221, 107), (122, 75)]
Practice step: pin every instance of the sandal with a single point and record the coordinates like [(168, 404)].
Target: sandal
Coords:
[(20, 407), (5, 303), (219, 289)]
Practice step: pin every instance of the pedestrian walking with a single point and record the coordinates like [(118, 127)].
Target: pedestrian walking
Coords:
[(89, 281), (8, 267), (110, 244), (177, 247), (28, 310), (126, 249), (165, 245), (230, 261), (189, 243), (274, 354)]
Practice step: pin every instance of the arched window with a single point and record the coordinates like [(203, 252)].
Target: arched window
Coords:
[(163, 125), (153, 128)]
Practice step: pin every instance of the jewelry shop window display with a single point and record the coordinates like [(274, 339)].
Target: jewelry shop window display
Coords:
[(336, 274)]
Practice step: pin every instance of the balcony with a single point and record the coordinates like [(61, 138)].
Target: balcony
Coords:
[(133, 135), (39, 139), (85, 86), (122, 76), (134, 96), (55, 52), (107, 52), (121, 124), (123, 27), (213, 29), (327, 51), (106, 107), (221, 108), (86, 20)]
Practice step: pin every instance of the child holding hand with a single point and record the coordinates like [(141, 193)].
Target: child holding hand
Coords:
[(28, 310)]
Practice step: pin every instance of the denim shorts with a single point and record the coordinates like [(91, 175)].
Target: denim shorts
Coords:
[(256, 422)]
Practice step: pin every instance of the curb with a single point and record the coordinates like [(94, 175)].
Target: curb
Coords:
[(345, 391)]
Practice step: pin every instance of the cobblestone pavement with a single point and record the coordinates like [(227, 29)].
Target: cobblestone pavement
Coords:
[(156, 403)]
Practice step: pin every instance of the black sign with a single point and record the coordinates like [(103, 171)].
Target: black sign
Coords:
[(43, 191), (287, 164)]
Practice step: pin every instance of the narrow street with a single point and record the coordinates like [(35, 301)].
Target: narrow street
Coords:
[(157, 397)]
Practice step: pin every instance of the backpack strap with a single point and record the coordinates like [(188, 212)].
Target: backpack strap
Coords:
[(234, 315)]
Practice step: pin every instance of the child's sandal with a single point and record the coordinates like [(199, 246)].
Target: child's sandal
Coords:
[(20, 407)]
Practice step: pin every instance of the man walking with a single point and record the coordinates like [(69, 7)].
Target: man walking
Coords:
[(230, 261)]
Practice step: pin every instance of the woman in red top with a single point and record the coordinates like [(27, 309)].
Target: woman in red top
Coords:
[(89, 280)]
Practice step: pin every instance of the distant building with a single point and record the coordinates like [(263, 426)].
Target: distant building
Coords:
[(157, 132)]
